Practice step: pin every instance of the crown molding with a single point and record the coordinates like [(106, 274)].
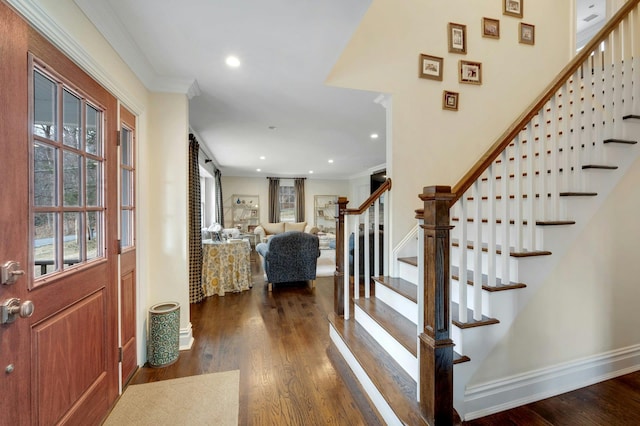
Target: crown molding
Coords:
[(103, 17), (39, 19)]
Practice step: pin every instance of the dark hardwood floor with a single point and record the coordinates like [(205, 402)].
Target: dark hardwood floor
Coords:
[(279, 342), (288, 375)]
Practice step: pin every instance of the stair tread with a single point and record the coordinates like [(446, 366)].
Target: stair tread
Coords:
[(455, 319), (409, 260), (400, 286), (631, 117), (524, 222), (512, 251), (403, 330), (578, 194), (396, 386), (499, 286), (599, 166), (623, 141)]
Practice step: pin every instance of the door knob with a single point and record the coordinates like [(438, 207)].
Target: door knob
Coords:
[(10, 272), (12, 308)]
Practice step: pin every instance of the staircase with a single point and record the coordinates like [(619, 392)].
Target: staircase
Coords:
[(512, 217)]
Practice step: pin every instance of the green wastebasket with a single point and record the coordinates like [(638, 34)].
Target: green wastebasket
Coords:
[(164, 334)]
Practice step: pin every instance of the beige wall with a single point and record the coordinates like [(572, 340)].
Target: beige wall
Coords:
[(431, 146), (260, 186)]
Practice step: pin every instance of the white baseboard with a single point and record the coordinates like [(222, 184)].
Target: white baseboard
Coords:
[(492, 397), (186, 338)]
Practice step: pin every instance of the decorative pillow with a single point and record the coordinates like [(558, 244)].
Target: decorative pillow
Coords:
[(297, 226), (273, 228)]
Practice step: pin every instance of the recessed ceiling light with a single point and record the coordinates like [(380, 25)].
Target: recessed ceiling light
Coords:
[(262, 157), (232, 61), (374, 136), (258, 170), (310, 172), (330, 161)]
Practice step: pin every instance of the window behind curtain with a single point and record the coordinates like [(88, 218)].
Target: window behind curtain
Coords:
[(287, 204)]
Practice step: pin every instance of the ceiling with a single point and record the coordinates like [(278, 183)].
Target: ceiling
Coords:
[(273, 112)]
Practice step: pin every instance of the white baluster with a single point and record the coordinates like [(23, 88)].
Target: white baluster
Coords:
[(550, 182), (462, 263), (608, 88), (530, 181), (376, 238), (617, 82), (587, 116), (367, 250), (491, 226), (506, 217), (598, 113), (346, 266), (517, 193), (356, 256), (628, 60), (575, 134), (635, 52), (567, 120), (544, 145), (477, 252)]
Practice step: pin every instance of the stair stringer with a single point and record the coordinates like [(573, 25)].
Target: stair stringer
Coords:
[(479, 342)]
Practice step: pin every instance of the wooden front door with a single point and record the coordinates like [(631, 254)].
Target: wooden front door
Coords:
[(58, 221)]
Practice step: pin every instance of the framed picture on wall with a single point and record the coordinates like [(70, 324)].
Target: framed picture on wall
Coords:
[(513, 8), (527, 33), (450, 100), (457, 37), (490, 28), (470, 72), (430, 67)]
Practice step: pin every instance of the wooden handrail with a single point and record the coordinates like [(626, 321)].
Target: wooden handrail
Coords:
[(505, 139), (386, 185)]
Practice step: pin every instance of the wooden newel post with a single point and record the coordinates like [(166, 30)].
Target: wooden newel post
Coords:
[(338, 276), (436, 346)]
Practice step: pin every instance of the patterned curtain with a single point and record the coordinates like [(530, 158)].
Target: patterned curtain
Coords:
[(195, 233), (274, 200), (298, 184), (218, 215)]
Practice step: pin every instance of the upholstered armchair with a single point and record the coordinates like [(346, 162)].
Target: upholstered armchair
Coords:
[(289, 257)]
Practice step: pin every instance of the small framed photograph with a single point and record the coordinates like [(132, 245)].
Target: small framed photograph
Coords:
[(527, 33), (450, 100), (457, 36), (470, 72), (513, 8), (490, 28), (430, 67)]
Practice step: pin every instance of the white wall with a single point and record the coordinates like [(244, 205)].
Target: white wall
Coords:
[(588, 305), (431, 146), (260, 186)]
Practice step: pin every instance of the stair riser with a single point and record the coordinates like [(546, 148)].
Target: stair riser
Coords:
[(404, 306), (399, 353), (513, 235), (513, 263), (408, 272)]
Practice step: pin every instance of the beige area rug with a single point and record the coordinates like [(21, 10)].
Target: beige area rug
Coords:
[(326, 265), (208, 399)]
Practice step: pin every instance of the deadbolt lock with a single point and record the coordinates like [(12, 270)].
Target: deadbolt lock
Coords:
[(10, 272)]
